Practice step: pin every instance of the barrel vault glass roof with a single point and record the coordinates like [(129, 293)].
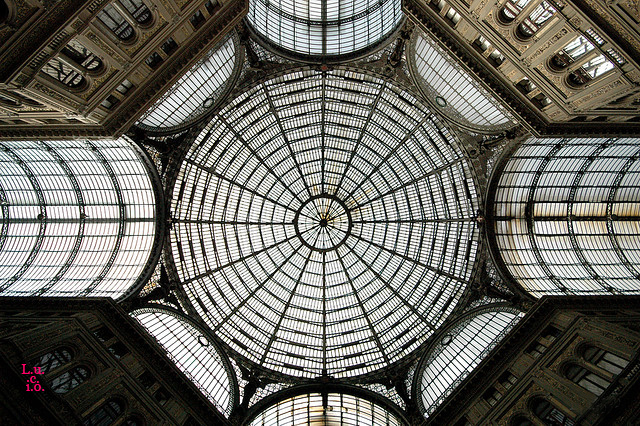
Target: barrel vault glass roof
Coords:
[(324, 223)]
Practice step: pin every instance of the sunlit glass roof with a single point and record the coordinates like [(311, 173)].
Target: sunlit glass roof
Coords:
[(459, 351), (324, 28), (194, 354), (78, 218), (323, 223), (196, 92), (453, 89), (566, 215), (316, 409)]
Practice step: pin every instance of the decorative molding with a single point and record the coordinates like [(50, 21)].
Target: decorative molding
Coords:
[(564, 31), (597, 93)]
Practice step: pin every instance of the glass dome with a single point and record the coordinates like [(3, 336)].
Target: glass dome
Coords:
[(78, 218), (324, 29), (566, 215), (324, 223)]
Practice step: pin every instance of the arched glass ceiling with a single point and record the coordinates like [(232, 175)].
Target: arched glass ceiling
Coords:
[(196, 91), (78, 217), (566, 216), (324, 28), (328, 409), (194, 354), (453, 89), (324, 223), (459, 351)]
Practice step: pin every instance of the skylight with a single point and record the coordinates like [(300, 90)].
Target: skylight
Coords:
[(78, 217), (194, 353), (324, 28), (324, 223)]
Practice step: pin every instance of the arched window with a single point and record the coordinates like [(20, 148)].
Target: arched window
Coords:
[(116, 23), (603, 359), (512, 9), (585, 378), (540, 15), (132, 421), (138, 10), (520, 421), (70, 379), (64, 73), (590, 70), (82, 56), (577, 48), (52, 360), (549, 414), (106, 414)]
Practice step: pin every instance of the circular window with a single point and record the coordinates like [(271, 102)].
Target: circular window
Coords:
[(323, 223)]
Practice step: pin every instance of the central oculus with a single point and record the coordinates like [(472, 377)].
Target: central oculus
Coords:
[(323, 223)]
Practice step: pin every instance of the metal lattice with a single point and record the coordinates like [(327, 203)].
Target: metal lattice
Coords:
[(566, 216), (324, 224)]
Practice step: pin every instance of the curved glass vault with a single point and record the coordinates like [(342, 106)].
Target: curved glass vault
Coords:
[(324, 29), (566, 215), (459, 351), (324, 224), (453, 90), (326, 409), (196, 92), (195, 354), (78, 218)]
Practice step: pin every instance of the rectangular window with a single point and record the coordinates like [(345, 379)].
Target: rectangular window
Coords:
[(169, 46), (154, 60), (197, 20)]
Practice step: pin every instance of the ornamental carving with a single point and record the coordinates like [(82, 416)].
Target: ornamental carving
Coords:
[(549, 42), (597, 93), (55, 95), (95, 85), (609, 335), (568, 353), (597, 6), (132, 50), (565, 391), (104, 47)]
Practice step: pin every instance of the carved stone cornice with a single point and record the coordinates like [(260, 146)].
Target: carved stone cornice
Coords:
[(532, 116), (131, 110)]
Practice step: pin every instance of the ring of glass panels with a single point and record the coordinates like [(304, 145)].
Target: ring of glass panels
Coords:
[(195, 354), (330, 408), (324, 29), (565, 215), (78, 218), (323, 223), (196, 92), (458, 351), (452, 89)]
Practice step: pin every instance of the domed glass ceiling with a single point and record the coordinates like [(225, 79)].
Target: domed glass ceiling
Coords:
[(324, 27), (324, 223)]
